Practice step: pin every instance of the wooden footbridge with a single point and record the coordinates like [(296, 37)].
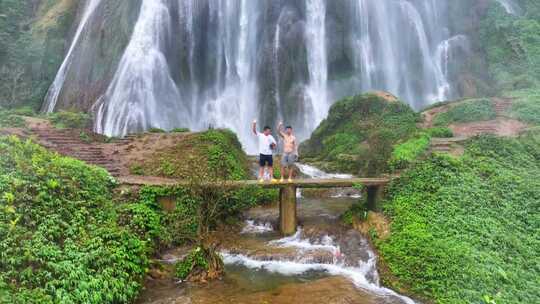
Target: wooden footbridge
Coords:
[(373, 188)]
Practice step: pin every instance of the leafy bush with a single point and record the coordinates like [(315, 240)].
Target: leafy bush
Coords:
[(406, 153), (59, 237), (195, 259), (467, 111), (70, 120), (441, 132), (465, 229)]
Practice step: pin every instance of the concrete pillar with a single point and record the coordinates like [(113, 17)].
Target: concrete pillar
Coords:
[(374, 197), (287, 210)]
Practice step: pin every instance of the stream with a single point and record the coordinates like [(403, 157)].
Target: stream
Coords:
[(324, 262)]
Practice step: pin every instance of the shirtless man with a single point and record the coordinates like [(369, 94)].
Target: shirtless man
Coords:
[(290, 150)]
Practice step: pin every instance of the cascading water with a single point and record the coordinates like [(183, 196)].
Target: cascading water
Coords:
[(142, 93), (223, 63), (385, 58), (56, 87), (317, 89), (510, 6)]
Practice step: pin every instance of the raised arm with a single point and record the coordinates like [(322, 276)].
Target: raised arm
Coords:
[(254, 127), (280, 129)]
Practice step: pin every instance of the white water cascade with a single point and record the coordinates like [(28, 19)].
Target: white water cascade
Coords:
[(395, 42), (363, 274), (142, 93), (56, 87), (223, 63), (317, 90), (510, 6)]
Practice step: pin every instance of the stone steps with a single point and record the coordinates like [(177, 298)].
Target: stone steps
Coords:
[(69, 144)]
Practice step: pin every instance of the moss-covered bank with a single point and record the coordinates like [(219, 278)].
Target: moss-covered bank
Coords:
[(465, 229)]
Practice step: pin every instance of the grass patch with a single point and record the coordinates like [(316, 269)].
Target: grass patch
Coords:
[(464, 230), (467, 111)]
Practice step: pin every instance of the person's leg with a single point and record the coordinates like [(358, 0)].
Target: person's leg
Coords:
[(282, 167), (291, 171), (261, 168), (271, 168)]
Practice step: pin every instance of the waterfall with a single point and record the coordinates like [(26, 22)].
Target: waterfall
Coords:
[(56, 87), (396, 56), (231, 98), (444, 50), (317, 90), (276, 71), (202, 63), (510, 6), (142, 94)]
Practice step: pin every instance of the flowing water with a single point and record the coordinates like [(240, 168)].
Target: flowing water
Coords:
[(56, 87), (324, 262), (223, 63), (510, 6)]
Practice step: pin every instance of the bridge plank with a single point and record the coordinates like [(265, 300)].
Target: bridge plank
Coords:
[(298, 183)]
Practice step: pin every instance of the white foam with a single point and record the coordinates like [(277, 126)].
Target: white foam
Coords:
[(296, 241), (316, 173), (252, 227), (356, 274)]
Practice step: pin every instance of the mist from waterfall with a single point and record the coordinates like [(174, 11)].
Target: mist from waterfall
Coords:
[(223, 63), (54, 90)]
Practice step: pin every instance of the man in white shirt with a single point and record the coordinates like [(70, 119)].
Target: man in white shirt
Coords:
[(267, 144)]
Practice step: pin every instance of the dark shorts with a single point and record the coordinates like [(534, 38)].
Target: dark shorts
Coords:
[(266, 160)]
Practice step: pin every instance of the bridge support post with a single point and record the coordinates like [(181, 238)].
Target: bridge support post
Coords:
[(374, 197), (287, 210)]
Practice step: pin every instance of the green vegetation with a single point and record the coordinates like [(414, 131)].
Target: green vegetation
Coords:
[(70, 120), (60, 237), (465, 230), (467, 111), (180, 130), (195, 259), (32, 41), (512, 45), (406, 153), (10, 120), (359, 134), (526, 106), (156, 130), (216, 149)]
